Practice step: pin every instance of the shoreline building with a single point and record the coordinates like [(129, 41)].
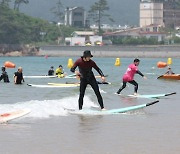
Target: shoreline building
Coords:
[(151, 13), (172, 13), (165, 13), (75, 16)]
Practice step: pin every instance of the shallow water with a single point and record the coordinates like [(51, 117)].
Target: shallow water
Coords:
[(50, 129)]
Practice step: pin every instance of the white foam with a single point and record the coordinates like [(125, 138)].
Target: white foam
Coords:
[(48, 108)]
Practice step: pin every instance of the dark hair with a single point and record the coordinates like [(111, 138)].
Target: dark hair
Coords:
[(60, 65), (136, 60), (3, 68)]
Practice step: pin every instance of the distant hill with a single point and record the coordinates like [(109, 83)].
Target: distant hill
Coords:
[(123, 11)]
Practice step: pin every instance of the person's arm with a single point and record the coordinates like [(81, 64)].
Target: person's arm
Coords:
[(1, 77), (73, 68), (100, 72), (15, 79), (138, 72)]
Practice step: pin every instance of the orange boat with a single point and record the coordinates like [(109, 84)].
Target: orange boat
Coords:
[(170, 76)]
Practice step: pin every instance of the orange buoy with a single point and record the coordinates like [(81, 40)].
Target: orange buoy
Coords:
[(161, 64), (9, 64)]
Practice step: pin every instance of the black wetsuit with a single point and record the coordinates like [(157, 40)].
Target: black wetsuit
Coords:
[(19, 77), (87, 77), (4, 76), (51, 72)]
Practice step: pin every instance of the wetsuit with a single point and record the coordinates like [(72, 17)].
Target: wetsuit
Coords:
[(59, 71), (87, 77), (4, 76), (19, 77), (129, 77), (51, 72)]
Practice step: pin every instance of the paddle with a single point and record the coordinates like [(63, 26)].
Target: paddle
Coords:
[(159, 76), (170, 94), (151, 103)]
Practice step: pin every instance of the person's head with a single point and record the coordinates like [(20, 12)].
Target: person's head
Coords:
[(60, 66), (52, 67), (87, 55), (136, 61), (3, 68), (20, 69)]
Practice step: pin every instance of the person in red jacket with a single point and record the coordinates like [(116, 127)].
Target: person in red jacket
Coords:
[(85, 65)]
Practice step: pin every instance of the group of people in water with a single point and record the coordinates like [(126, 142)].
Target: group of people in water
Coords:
[(18, 76), (59, 71), (86, 75)]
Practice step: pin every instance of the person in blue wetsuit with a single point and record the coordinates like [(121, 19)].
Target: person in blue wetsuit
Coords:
[(85, 65), (4, 75)]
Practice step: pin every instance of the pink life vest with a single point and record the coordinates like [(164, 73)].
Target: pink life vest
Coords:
[(129, 75)]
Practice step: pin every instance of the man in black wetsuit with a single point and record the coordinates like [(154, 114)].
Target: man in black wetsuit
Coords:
[(4, 75), (85, 65), (18, 76), (51, 71)]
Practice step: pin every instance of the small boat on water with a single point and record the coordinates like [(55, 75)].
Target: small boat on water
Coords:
[(170, 76)]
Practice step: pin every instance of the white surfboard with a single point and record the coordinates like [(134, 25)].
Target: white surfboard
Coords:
[(5, 117), (109, 112), (152, 96), (53, 86), (40, 76), (64, 84)]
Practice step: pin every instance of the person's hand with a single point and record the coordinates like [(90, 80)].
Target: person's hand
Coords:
[(145, 77), (103, 79), (77, 73)]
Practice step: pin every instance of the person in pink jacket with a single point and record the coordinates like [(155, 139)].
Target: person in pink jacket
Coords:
[(129, 76)]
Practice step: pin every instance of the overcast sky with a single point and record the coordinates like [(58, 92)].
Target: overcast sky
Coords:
[(122, 11)]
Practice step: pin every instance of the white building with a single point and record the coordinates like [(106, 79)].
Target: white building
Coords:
[(151, 13), (75, 17), (82, 38)]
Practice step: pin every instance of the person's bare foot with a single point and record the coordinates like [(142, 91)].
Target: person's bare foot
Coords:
[(136, 94), (103, 109)]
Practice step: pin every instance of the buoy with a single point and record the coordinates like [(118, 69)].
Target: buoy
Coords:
[(169, 61), (117, 62), (161, 64), (70, 63), (9, 64)]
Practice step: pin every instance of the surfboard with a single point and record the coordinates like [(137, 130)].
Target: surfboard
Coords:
[(152, 96), (40, 76), (109, 112), (64, 84), (5, 117), (75, 76), (52, 86)]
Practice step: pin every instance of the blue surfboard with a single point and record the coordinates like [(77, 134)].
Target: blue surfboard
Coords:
[(152, 96), (109, 112)]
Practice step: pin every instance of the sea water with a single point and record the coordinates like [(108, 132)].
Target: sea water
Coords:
[(49, 129)]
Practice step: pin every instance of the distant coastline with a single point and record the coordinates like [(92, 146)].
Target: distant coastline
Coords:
[(113, 51), (160, 51)]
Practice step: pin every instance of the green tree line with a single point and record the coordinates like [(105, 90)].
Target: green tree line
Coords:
[(18, 28)]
